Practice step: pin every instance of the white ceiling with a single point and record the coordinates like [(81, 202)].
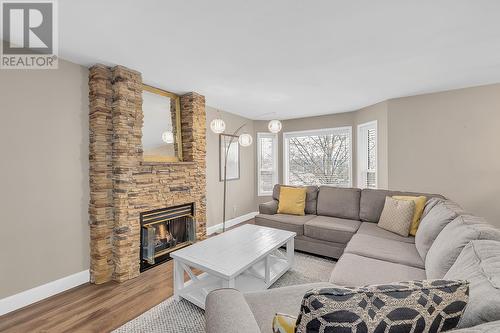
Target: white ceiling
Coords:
[(290, 58)]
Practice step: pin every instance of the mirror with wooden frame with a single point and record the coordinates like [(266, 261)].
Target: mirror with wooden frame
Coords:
[(161, 130)]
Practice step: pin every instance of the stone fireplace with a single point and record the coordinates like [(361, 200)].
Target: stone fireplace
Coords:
[(122, 186)]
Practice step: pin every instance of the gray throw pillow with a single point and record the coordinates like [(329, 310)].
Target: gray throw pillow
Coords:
[(479, 263), (450, 242), (433, 221), (414, 306), (397, 216)]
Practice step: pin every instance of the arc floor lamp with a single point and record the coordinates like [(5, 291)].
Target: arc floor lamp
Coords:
[(218, 126)]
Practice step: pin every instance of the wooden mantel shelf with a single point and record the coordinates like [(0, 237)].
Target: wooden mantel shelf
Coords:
[(166, 163)]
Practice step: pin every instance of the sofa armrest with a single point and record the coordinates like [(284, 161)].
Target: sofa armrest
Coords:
[(227, 311), (269, 208)]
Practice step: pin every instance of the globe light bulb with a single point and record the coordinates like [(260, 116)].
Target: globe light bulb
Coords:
[(245, 139), (167, 137), (217, 125), (274, 126)]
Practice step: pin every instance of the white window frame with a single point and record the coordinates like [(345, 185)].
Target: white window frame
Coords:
[(362, 154), (294, 134), (261, 135)]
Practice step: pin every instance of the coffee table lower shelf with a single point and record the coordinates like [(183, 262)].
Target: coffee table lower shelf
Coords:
[(253, 279)]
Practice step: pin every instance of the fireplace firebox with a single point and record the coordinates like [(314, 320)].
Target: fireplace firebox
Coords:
[(164, 231)]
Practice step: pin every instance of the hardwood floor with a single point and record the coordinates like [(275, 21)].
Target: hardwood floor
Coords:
[(94, 308)]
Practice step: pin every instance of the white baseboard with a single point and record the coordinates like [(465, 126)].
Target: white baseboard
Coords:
[(232, 222), (30, 296)]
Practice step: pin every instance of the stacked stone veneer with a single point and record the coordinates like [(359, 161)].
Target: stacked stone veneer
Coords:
[(121, 185)]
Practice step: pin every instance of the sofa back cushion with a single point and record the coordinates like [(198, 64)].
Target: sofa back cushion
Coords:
[(433, 222), (450, 242), (431, 203), (479, 263), (372, 202), (339, 202), (311, 197)]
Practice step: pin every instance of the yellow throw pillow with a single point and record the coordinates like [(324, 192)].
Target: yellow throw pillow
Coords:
[(419, 209), (283, 323), (292, 200)]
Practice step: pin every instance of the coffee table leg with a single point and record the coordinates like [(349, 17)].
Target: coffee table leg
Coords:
[(267, 274), (229, 283), (290, 248), (178, 279)]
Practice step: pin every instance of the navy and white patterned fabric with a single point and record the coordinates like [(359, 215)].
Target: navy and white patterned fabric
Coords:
[(403, 307)]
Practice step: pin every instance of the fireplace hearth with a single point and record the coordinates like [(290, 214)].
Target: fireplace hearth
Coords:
[(164, 231)]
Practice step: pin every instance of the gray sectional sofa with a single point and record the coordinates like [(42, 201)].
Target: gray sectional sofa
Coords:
[(333, 216), (342, 223)]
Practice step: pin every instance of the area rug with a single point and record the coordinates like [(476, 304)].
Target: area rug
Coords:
[(177, 317)]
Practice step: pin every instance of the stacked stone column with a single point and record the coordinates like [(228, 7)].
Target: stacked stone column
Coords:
[(193, 124), (127, 133), (101, 217)]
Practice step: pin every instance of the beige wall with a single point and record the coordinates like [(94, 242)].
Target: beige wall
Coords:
[(241, 192), (44, 176), (449, 143)]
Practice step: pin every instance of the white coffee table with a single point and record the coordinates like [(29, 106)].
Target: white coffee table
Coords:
[(245, 258)]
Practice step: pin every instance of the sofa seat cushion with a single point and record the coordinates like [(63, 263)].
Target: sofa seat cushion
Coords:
[(450, 242), (479, 263), (339, 202), (372, 229), (385, 249), (319, 247), (332, 229), (265, 304), (293, 223), (355, 270)]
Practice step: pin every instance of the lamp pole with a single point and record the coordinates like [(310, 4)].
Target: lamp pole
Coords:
[(226, 152)]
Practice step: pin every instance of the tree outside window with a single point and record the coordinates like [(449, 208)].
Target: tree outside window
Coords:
[(319, 157)]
